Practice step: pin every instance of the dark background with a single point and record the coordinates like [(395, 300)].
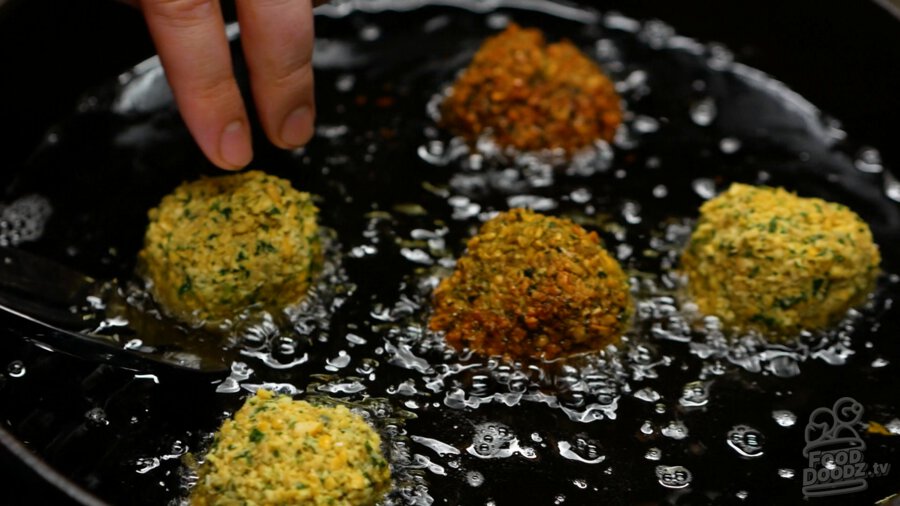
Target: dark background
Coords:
[(843, 55)]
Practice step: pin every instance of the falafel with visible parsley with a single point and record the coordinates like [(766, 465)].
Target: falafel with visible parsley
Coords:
[(220, 245), (276, 450), (764, 259)]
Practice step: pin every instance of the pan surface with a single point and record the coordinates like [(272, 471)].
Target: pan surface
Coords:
[(674, 416)]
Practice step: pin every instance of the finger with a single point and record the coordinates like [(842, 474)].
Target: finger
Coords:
[(190, 38), (277, 36)]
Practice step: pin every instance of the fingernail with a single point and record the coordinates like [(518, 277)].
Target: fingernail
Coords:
[(234, 146), (297, 129)]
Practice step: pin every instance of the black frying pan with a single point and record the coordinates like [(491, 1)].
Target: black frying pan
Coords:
[(849, 74)]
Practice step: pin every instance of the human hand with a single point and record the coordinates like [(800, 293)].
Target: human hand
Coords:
[(277, 40)]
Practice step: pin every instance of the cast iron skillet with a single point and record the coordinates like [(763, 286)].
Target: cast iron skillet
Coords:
[(853, 83)]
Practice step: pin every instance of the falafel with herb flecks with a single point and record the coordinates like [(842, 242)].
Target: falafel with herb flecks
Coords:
[(276, 450), (531, 286), (764, 259), (220, 245)]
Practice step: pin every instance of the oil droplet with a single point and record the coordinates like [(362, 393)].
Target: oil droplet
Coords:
[(645, 124), (695, 393), (583, 450), (673, 476), (784, 417), (497, 21), (675, 430), (145, 465), (868, 160), (746, 440), (786, 473), (96, 417), (647, 394), (880, 362), (16, 369), (660, 191), (729, 145), (339, 362), (891, 187), (703, 112), (631, 211), (438, 447), (496, 441), (704, 187), (653, 454), (370, 33)]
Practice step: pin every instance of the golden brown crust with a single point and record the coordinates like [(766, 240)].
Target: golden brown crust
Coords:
[(533, 286), (532, 95)]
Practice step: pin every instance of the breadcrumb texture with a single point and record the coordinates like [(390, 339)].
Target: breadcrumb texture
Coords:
[(276, 450), (220, 245), (532, 95), (533, 286), (765, 259)]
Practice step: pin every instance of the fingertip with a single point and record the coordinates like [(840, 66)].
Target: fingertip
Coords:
[(298, 127), (235, 148)]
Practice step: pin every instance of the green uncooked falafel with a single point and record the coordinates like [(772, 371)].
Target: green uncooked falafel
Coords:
[(276, 450), (765, 259), (220, 245)]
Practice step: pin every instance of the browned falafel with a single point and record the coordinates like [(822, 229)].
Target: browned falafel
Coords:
[(532, 95), (533, 286)]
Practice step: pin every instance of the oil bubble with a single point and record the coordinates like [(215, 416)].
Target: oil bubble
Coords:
[(784, 417), (496, 441), (96, 417), (729, 145), (16, 369), (703, 112), (746, 441), (673, 476), (583, 450), (474, 478), (24, 220), (675, 430), (868, 160), (694, 394), (704, 187)]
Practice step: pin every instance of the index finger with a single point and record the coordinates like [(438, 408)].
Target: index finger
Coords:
[(190, 37)]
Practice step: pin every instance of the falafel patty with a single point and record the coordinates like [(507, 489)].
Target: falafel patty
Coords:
[(765, 259), (533, 286), (219, 245), (276, 450), (532, 95)]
